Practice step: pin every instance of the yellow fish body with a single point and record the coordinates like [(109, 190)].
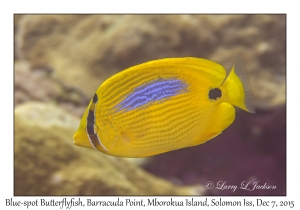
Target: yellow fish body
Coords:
[(163, 105)]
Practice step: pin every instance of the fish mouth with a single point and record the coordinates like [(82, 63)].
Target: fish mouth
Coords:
[(75, 138)]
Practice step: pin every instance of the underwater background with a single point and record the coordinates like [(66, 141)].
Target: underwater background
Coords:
[(60, 60)]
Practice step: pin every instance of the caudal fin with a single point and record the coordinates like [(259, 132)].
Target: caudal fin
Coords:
[(238, 88)]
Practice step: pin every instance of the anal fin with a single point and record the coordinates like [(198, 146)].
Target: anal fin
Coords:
[(222, 116)]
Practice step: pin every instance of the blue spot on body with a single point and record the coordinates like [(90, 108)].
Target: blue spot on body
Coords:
[(153, 91)]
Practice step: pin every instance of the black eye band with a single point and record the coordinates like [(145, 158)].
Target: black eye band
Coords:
[(91, 117), (90, 127), (95, 98)]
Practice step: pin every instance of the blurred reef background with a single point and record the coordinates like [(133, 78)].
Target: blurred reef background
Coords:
[(60, 60)]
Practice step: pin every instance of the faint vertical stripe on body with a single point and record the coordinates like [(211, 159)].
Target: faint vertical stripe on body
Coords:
[(153, 91)]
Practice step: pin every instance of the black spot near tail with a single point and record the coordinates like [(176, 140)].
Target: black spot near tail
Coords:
[(215, 94)]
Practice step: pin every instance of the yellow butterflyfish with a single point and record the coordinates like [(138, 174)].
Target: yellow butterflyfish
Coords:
[(163, 105)]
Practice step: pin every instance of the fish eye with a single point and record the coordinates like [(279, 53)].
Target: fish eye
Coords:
[(215, 94)]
